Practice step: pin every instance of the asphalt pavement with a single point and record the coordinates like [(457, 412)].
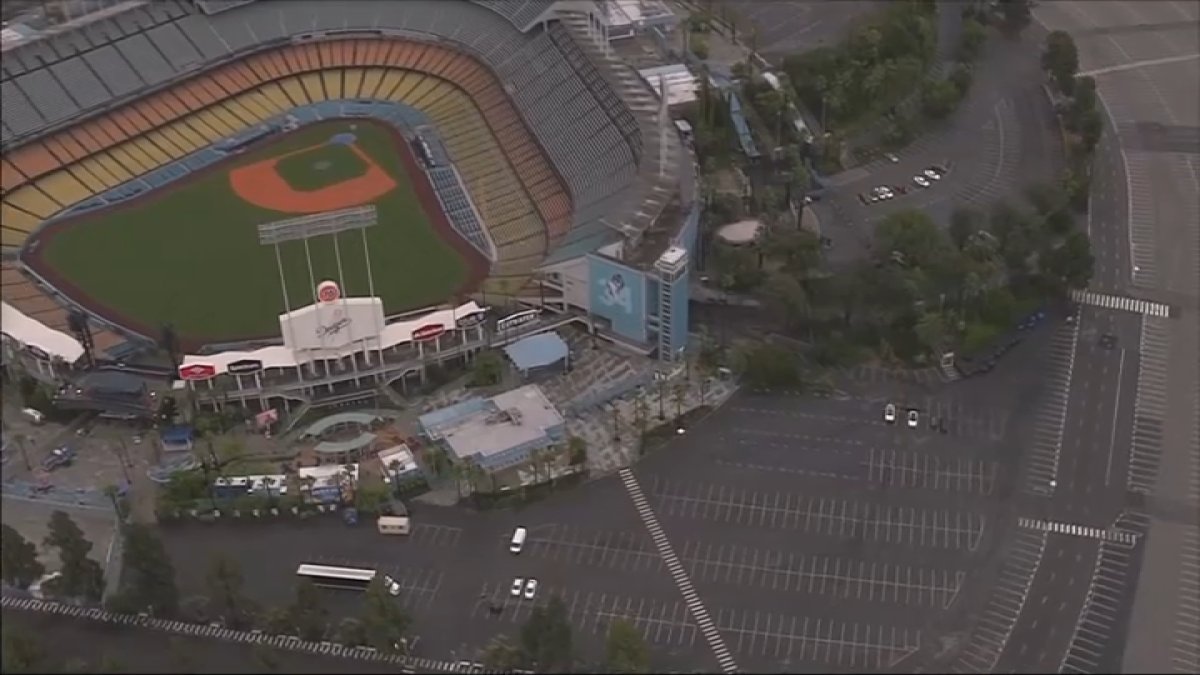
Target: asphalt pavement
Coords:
[(1126, 459)]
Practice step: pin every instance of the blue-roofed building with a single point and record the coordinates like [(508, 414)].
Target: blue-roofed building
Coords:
[(496, 433), (539, 355)]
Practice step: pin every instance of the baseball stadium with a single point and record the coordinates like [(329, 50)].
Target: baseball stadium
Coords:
[(209, 165)]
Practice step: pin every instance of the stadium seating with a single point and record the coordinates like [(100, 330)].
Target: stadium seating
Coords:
[(543, 146)]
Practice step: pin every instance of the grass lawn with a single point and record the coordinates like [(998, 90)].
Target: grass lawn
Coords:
[(317, 168), (191, 256)]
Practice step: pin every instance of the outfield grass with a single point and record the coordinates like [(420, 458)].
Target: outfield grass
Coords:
[(314, 169), (191, 257)]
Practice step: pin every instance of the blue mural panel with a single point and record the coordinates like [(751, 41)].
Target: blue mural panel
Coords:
[(618, 294)]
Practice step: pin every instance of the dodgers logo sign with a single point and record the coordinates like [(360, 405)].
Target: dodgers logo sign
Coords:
[(618, 293), (614, 293)]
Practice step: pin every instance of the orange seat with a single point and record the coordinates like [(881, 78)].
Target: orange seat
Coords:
[(35, 160)]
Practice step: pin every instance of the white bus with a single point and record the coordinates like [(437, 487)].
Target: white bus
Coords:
[(344, 578)]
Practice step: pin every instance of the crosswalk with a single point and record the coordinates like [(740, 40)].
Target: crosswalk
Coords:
[(1134, 305), (695, 606), (1113, 535)]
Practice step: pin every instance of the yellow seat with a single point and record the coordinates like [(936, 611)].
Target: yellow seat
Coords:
[(216, 122), (235, 114), (166, 145), (30, 200), (182, 136), (201, 130), (15, 220), (11, 238), (291, 86), (312, 84), (354, 82), (250, 101), (333, 84), (132, 164), (134, 148), (273, 99), (372, 77), (95, 175), (63, 188), (113, 167), (155, 154)]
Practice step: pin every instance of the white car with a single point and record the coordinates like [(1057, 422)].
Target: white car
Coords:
[(517, 586), (889, 413), (530, 589), (921, 181), (932, 175), (891, 157), (914, 419)]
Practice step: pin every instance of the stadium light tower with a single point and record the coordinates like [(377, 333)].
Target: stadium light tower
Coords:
[(305, 228)]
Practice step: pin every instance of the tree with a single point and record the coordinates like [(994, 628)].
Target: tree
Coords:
[(1060, 60), (149, 577), (385, 622), (798, 251), (546, 639), (787, 299), (931, 331), (19, 558), (939, 98), (1017, 14), (964, 222), (625, 649), (1070, 264), (225, 588), (22, 653), (351, 632), (81, 577), (578, 447), (488, 369), (1083, 100), (678, 393), (769, 367), (1091, 127), (914, 235), (974, 35), (308, 615), (371, 497), (501, 655), (1046, 198)]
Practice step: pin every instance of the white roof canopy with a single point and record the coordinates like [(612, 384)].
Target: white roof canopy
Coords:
[(30, 331)]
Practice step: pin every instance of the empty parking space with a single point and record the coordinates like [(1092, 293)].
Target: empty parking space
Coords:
[(865, 419), (1097, 628), (791, 639), (426, 534), (920, 471), (665, 623), (622, 551), (783, 572), (965, 421), (1009, 592), (1041, 472), (418, 586), (900, 525)]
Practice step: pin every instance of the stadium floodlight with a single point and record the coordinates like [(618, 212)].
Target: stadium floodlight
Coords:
[(317, 224), (306, 228)]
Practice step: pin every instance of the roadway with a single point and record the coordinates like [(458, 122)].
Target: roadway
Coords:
[(1127, 443)]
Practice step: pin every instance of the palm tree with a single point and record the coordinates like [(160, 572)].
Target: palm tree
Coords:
[(267, 482), (678, 392), (641, 413), (662, 386), (394, 467), (110, 491), (347, 484)]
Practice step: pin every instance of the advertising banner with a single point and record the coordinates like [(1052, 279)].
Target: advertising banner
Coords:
[(618, 294)]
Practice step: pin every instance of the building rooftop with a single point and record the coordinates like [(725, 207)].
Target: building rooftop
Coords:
[(505, 421)]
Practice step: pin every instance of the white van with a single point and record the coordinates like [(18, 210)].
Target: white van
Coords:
[(393, 525), (518, 540), (34, 415)]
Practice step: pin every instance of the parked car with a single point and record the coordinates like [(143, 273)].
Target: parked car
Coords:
[(889, 413), (518, 585), (914, 419), (921, 181), (931, 174), (891, 157), (531, 588), (59, 457)]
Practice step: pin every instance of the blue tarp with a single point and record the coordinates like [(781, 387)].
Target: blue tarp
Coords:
[(432, 421), (177, 435), (537, 351)]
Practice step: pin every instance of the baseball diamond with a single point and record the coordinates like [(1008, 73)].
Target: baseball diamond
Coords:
[(208, 275)]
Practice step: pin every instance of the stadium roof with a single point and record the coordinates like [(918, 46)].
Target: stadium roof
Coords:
[(30, 331), (537, 351)]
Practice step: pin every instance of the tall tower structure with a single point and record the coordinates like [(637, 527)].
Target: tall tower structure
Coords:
[(671, 270)]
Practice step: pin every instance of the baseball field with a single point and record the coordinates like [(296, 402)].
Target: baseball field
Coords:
[(188, 253)]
